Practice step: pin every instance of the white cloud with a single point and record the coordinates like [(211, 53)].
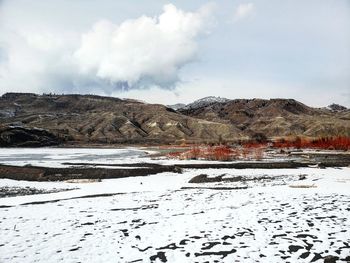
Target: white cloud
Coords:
[(145, 49), (140, 52), (244, 10), (271, 40)]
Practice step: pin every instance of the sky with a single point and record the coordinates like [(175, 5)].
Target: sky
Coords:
[(179, 51)]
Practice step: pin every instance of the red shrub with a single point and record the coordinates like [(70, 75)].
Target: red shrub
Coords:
[(174, 154), (217, 153), (258, 153), (221, 153), (332, 143)]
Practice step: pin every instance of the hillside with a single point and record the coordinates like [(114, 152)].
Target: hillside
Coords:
[(32, 120), (274, 117), (96, 119), (204, 102)]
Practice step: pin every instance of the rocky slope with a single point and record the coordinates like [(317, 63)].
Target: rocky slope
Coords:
[(33, 120), (95, 119), (26, 137), (337, 107), (176, 106), (275, 117), (204, 102)]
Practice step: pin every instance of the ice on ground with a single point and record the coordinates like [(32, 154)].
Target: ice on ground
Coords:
[(55, 157), (153, 219), (58, 157)]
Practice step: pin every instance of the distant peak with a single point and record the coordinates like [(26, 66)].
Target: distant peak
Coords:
[(212, 99), (336, 107), (176, 106), (205, 102)]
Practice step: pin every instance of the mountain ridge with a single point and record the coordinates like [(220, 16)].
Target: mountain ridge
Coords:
[(96, 119), (276, 117), (88, 119)]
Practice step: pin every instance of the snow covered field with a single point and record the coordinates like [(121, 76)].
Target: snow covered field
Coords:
[(158, 219)]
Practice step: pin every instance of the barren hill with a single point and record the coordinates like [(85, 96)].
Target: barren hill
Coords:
[(275, 117), (96, 119), (82, 119)]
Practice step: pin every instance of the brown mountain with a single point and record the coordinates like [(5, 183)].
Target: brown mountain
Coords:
[(96, 119), (274, 117), (30, 120)]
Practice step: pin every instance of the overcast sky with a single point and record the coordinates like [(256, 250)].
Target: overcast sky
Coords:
[(178, 51)]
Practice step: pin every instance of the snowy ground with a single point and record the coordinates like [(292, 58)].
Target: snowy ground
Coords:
[(54, 157), (146, 219), (57, 157)]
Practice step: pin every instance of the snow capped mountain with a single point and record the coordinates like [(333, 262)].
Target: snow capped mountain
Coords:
[(336, 107), (205, 102), (177, 106)]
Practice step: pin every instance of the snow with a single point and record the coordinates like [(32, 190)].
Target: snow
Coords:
[(336, 107), (176, 106), (204, 102), (149, 216), (164, 181), (57, 157)]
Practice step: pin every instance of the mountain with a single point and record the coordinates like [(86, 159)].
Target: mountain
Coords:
[(204, 102), (199, 103), (337, 107), (274, 117), (94, 119), (176, 106), (31, 120), (14, 136)]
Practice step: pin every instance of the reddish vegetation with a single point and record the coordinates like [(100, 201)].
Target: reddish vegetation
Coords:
[(222, 153), (254, 145), (254, 150), (328, 143), (219, 153), (204, 152), (325, 143)]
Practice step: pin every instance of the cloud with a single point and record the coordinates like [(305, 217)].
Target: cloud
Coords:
[(243, 11), (137, 53), (141, 51)]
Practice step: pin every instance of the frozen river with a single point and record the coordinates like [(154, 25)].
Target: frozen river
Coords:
[(54, 157)]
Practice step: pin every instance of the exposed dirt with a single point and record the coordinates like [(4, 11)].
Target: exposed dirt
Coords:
[(239, 182), (63, 174), (96, 170), (203, 178)]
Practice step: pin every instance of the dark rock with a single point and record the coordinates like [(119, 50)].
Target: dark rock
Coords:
[(27, 137), (302, 176), (316, 257), (160, 255), (293, 248), (330, 259), (305, 255)]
